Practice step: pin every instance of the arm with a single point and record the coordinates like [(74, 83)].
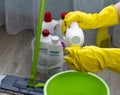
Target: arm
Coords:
[(108, 16), (117, 6)]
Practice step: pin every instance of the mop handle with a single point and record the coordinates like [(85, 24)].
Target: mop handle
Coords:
[(32, 80)]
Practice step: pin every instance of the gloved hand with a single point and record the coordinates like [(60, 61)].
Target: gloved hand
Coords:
[(107, 17), (93, 59)]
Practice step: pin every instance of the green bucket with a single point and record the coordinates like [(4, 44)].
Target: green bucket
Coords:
[(75, 83)]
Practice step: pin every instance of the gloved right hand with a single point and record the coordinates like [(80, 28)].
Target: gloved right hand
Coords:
[(93, 59), (107, 17)]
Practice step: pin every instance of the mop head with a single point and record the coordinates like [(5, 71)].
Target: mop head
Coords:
[(14, 85), (5, 92)]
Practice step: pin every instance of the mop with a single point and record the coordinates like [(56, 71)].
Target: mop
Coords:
[(28, 86)]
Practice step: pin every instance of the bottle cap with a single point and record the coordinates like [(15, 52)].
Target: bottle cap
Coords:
[(63, 15), (48, 17), (55, 39), (75, 40), (45, 32)]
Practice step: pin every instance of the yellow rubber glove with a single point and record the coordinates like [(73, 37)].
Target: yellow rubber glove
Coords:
[(103, 38), (93, 59), (107, 17)]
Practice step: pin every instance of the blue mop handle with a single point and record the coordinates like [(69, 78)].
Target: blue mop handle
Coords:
[(33, 74)]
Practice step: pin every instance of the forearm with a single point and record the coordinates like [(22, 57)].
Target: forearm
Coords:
[(108, 16), (117, 6)]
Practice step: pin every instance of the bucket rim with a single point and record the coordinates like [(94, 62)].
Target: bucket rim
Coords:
[(52, 77)]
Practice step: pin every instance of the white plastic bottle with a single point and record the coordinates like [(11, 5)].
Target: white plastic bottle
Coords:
[(58, 31), (49, 23), (44, 43), (55, 56), (74, 35)]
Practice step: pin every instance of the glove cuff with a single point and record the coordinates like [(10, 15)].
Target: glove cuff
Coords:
[(109, 15)]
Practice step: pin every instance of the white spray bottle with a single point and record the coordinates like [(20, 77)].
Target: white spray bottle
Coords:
[(44, 43), (58, 31), (55, 57), (49, 23)]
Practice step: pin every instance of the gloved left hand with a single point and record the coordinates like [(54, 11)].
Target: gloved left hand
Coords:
[(93, 59), (105, 18)]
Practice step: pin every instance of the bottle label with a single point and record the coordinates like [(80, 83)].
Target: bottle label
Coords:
[(42, 61), (55, 70), (54, 53)]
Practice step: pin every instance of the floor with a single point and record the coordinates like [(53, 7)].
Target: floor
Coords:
[(16, 58), (15, 53)]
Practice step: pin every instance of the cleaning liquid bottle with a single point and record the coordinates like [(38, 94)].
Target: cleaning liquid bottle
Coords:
[(55, 56), (74, 35), (49, 23), (42, 60), (58, 31)]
